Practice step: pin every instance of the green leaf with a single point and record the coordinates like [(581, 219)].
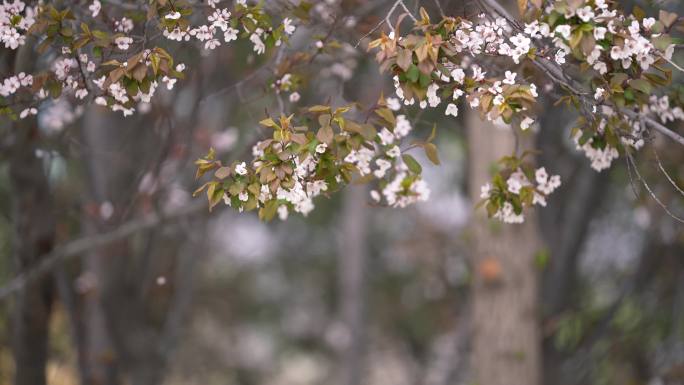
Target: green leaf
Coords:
[(325, 134), (576, 38), (319, 108), (222, 173), (269, 210), (404, 59), (638, 12), (236, 188), (386, 114), (431, 153), (200, 189), (412, 164), (100, 34), (617, 79), (641, 85), (368, 131), (433, 133), (424, 80), (324, 120), (413, 73), (541, 259), (269, 123), (667, 18), (215, 197), (661, 42)]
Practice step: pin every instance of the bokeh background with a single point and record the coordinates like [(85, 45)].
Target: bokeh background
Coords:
[(157, 290)]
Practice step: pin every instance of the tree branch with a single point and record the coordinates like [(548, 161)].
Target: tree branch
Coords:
[(77, 247), (655, 125), (557, 75)]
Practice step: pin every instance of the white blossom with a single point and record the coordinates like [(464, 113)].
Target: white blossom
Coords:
[(288, 27), (95, 8), (599, 93), (393, 104), (403, 126), (510, 78), (526, 123), (173, 16), (241, 169), (123, 42), (564, 30), (585, 14), (320, 149), (294, 97), (259, 46)]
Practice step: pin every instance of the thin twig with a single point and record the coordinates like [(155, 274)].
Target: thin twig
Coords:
[(655, 125), (401, 2), (77, 247), (439, 7), (667, 175), (673, 63), (387, 20), (631, 178), (650, 191), (557, 74)]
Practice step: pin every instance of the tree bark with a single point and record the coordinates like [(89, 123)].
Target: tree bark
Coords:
[(101, 361), (352, 270), (506, 335), (132, 320), (34, 230)]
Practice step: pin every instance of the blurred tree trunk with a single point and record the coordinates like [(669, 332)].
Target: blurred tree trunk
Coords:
[(34, 232), (506, 335), (101, 360), (565, 226), (142, 283), (352, 269)]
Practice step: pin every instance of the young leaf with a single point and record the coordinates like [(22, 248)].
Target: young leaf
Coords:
[(431, 153), (404, 59), (412, 164), (413, 73), (269, 123), (433, 133), (325, 134), (222, 173), (319, 109), (386, 114)]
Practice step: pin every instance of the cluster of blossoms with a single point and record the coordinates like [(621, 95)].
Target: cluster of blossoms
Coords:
[(506, 197), (298, 164), (624, 55), (131, 84), (627, 54), (601, 156), (439, 63), (600, 145), (96, 66), (253, 21), (605, 38), (123, 95), (81, 69), (15, 19), (288, 84), (660, 107), (12, 84), (403, 189)]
